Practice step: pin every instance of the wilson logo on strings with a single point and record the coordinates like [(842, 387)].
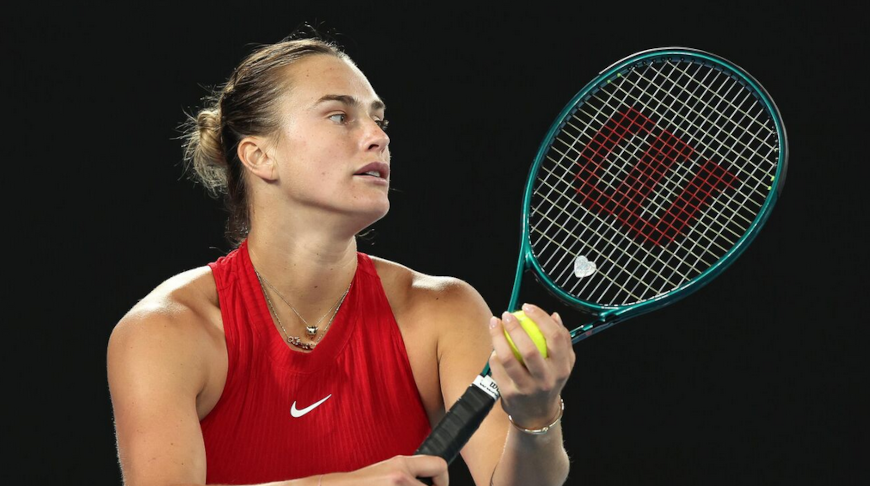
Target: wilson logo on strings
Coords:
[(625, 198)]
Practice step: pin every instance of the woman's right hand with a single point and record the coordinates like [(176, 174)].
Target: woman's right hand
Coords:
[(396, 471)]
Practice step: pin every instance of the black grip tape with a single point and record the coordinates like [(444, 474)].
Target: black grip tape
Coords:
[(461, 422)]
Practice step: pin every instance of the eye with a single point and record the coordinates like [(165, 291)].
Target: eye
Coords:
[(383, 124), (338, 118)]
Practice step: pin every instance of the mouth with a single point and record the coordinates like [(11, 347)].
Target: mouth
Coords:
[(377, 170)]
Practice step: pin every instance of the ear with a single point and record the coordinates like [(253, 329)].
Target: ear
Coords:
[(253, 154)]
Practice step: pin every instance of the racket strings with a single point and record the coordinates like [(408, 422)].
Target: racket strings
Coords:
[(649, 268), (696, 97), (702, 112), (676, 180), (592, 247), (720, 127), (679, 181), (739, 155), (564, 199), (738, 108), (657, 202)]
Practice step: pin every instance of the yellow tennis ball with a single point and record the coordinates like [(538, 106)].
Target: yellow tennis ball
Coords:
[(532, 330)]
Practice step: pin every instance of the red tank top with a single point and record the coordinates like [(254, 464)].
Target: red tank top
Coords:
[(353, 399)]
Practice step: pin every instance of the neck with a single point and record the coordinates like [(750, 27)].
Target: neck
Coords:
[(310, 269)]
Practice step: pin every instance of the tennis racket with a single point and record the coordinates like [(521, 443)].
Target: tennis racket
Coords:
[(651, 181)]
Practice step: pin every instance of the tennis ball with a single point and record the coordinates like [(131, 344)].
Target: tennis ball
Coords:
[(532, 330)]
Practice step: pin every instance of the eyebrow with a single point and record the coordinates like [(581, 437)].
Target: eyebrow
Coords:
[(351, 101)]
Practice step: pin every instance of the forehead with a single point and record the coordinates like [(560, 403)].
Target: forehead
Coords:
[(316, 76)]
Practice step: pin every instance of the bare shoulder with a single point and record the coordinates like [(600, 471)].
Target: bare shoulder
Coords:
[(414, 292), (441, 310), (184, 303), (176, 325)]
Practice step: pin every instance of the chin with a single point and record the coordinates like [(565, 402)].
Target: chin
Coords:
[(377, 206), (373, 213), (381, 211)]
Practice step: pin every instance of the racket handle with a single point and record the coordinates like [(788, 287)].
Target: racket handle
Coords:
[(463, 419)]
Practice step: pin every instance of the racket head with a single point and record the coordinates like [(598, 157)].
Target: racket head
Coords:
[(700, 152)]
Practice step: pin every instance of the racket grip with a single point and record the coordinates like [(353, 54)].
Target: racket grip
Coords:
[(463, 419)]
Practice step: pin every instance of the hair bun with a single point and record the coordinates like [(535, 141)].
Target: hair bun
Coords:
[(204, 151)]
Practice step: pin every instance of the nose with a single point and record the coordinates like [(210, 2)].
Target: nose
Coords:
[(376, 139)]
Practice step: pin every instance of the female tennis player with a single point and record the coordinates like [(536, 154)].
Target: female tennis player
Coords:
[(295, 359)]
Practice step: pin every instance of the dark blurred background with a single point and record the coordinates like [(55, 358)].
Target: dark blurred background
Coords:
[(754, 379)]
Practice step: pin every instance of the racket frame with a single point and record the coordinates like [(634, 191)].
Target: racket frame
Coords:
[(606, 316)]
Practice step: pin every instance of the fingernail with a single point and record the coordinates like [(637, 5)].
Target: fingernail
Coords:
[(527, 308), (558, 317), (493, 322), (507, 317)]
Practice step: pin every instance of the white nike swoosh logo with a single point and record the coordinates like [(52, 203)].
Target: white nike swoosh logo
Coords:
[(298, 413)]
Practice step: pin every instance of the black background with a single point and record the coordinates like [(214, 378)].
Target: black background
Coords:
[(754, 379)]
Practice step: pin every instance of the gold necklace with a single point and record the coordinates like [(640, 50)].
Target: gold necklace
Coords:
[(295, 340), (310, 329)]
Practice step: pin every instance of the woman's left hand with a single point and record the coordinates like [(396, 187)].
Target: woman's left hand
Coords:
[(530, 393)]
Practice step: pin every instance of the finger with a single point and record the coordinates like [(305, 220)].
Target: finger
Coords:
[(505, 384), (561, 356), (569, 341), (566, 333), (434, 467), (442, 479), (557, 335), (504, 355)]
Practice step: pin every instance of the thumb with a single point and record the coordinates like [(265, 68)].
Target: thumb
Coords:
[(434, 467)]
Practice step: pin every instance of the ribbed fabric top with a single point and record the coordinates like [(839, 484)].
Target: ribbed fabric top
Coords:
[(373, 410)]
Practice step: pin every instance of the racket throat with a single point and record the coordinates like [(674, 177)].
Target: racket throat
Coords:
[(588, 330)]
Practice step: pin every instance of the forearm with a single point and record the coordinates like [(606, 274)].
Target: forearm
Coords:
[(532, 459), (310, 481)]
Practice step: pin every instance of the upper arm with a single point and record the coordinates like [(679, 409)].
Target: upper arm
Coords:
[(156, 370), (464, 346)]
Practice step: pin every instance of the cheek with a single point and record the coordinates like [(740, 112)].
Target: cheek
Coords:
[(313, 163)]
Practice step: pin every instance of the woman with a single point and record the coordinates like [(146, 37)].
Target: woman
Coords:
[(296, 359)]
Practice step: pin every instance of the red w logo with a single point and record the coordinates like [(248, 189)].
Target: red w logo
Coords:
[(626, 200)]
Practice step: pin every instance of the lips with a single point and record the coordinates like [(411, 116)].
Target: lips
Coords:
[(374, 169)]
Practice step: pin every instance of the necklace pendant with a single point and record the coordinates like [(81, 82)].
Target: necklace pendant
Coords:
[(311, 330), (295, 341)]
